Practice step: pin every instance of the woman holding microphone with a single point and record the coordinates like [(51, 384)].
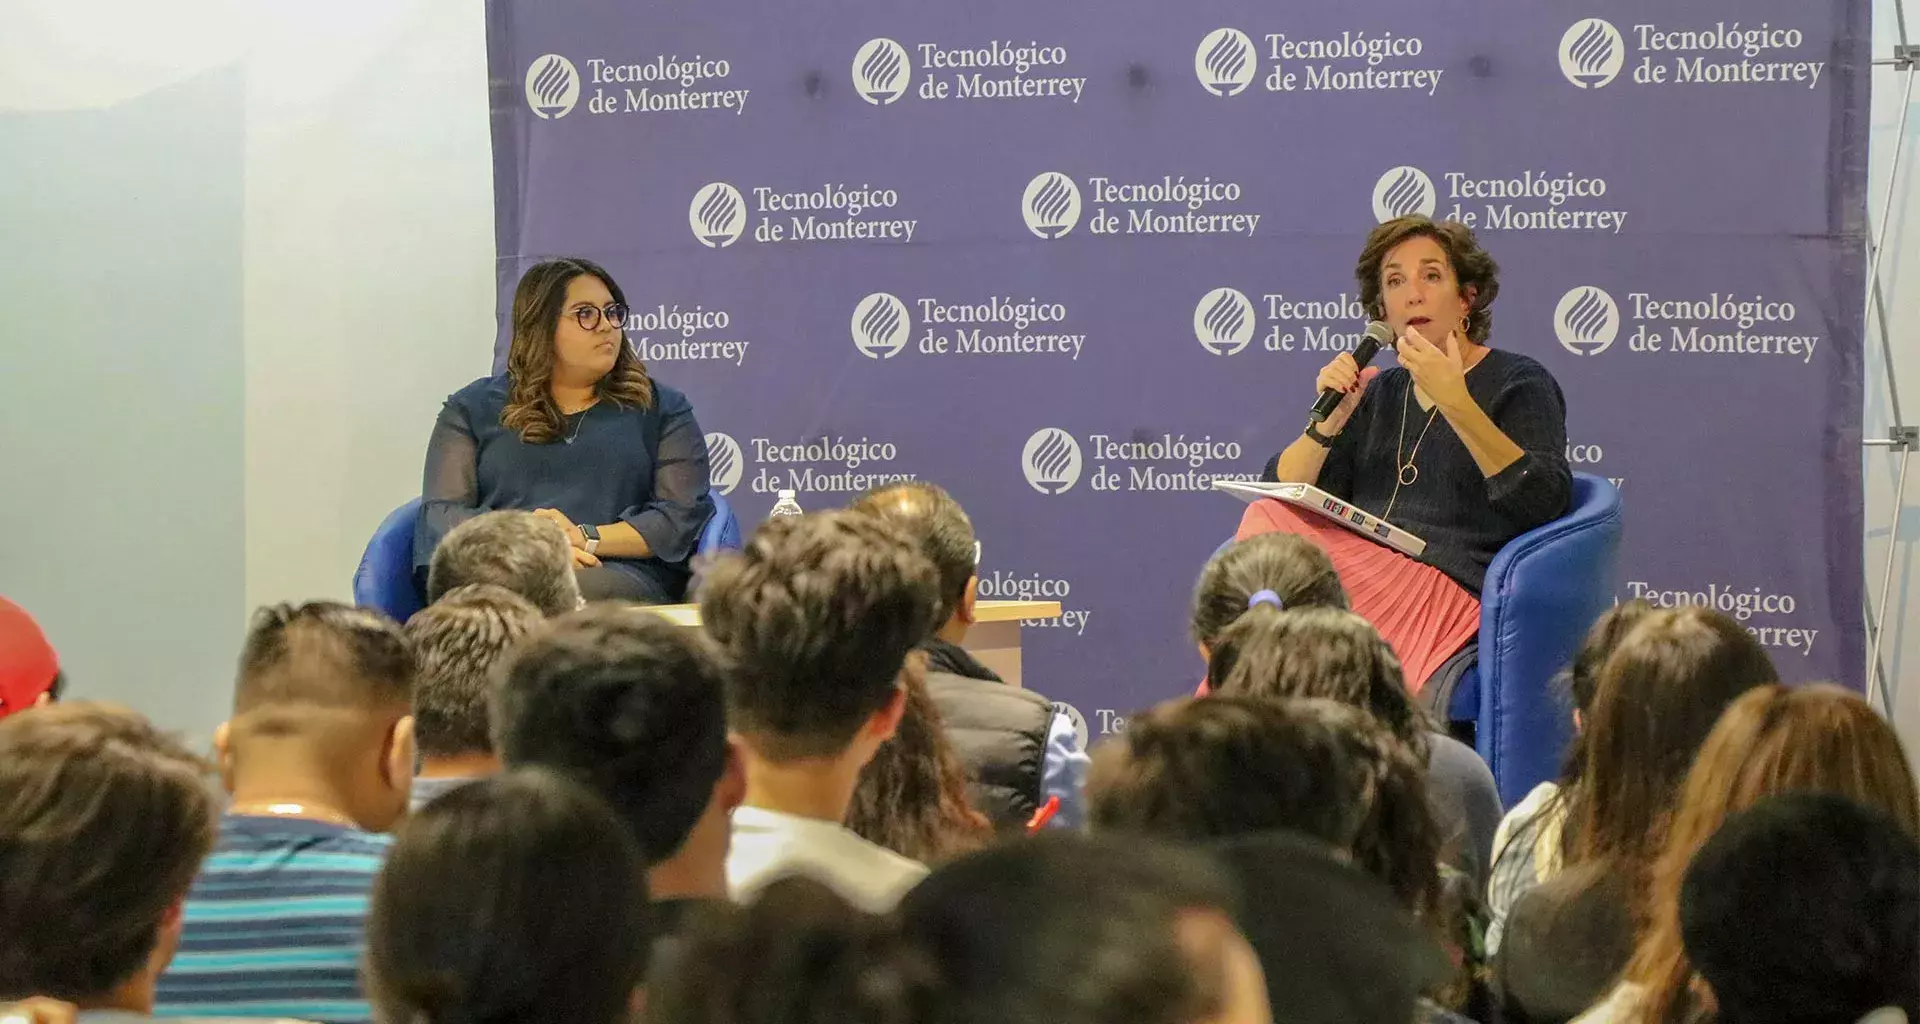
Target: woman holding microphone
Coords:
[(1461, 444)]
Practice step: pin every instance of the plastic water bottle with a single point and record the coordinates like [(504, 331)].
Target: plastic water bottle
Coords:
[(786, 506)]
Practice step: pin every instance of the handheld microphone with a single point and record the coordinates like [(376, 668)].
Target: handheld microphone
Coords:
[(1378, 334)]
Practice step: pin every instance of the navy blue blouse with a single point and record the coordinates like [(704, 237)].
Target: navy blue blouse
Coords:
[(613, 462)]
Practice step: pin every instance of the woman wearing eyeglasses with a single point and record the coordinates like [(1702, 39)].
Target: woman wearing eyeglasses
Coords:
[(577, 432)]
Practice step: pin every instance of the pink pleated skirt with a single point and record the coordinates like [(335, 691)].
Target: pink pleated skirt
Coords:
[(1421, 612)]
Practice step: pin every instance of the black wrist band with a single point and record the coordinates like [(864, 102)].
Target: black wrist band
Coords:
[(1313, 434)]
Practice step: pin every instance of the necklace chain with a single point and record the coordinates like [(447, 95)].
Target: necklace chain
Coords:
[(1407, 473)]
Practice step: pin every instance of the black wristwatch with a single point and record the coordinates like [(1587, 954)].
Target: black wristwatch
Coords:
[(1313, 434)]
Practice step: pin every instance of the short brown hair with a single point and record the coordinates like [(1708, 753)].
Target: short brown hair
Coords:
[(104, 824), (509, 548), (323, 654), (457, 642), (817, 615), (1472, 267), (930, 517)]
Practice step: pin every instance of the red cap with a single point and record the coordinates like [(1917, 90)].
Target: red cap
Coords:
[(27, 662)]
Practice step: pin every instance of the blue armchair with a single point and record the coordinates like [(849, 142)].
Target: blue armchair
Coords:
[(1543, 590), (384, 579)]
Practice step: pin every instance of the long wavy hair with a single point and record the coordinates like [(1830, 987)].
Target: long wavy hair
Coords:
[(537, 306), (1772, 740), (912, 797)]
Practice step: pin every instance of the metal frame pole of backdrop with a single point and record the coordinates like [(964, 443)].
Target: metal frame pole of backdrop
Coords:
[(1902, 440)]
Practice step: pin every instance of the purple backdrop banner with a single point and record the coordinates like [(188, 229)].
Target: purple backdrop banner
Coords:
[(1076, 261)]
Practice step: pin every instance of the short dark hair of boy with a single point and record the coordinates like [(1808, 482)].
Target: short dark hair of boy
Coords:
[(1219, 767), (516, 897), (458, 642), (627, 703), (517, 550), (930, 517), (1804, 907), (103, 827), (1066, 927), (817, 616), (320, 654)]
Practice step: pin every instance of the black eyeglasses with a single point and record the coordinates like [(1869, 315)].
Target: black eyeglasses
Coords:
[(588, 317)]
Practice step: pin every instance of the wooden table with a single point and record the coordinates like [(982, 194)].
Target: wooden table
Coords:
[(994, 638)]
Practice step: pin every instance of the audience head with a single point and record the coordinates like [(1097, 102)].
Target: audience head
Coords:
[(519, 551), (912, 797), (1085, 930), (1582, 676), (1659, 695), (1283, 569), (324, 704), (818, 616), (518, 897), (1805, 909), (1334, 944), (929, 518), (457, 642), (632, 706), (29, 669), (104, 824), (811, 956), (1318, 652), (1227, 766), (568, 326), (1772, 740)]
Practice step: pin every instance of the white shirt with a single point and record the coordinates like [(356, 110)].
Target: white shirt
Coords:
[(768, 845)]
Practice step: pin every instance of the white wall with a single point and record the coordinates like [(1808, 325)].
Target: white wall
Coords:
[(245, 249), (1898, 267)]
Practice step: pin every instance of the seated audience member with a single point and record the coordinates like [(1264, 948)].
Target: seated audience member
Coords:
[(1334, 944), (818, 617), (1018, 749), (318, 757), (1228, 766), (1291, 568), (456, 642), (1659, 695), (1325, 652), (912, 797), (633, 707), (1063, 929), (29, 669), (1526, 847), (1805, 908), (1772, 740), (104, 825), (519, 551), (517, 898)]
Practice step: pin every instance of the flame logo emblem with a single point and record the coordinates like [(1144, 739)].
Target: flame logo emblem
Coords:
[(1592, 53), (1051, 205), (1401, 192), (718, 215), (724, 462), (881, 326), (1051, 461), (1224, 322), (1586, 321), (881, 71), (553, 86), (1225, 62)]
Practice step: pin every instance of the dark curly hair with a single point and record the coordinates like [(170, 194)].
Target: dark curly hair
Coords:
[(912, 797), (1478, 275), (537, 304)]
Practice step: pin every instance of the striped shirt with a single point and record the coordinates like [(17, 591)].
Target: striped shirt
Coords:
[(275, 924)]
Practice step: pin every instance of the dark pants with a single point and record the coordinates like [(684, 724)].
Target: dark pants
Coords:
[(647, 581)]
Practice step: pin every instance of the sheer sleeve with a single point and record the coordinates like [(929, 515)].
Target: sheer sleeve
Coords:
[(450, 490), (672, 517), (1536, 489)]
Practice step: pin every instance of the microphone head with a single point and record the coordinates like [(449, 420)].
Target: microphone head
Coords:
[(1381, 333)]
